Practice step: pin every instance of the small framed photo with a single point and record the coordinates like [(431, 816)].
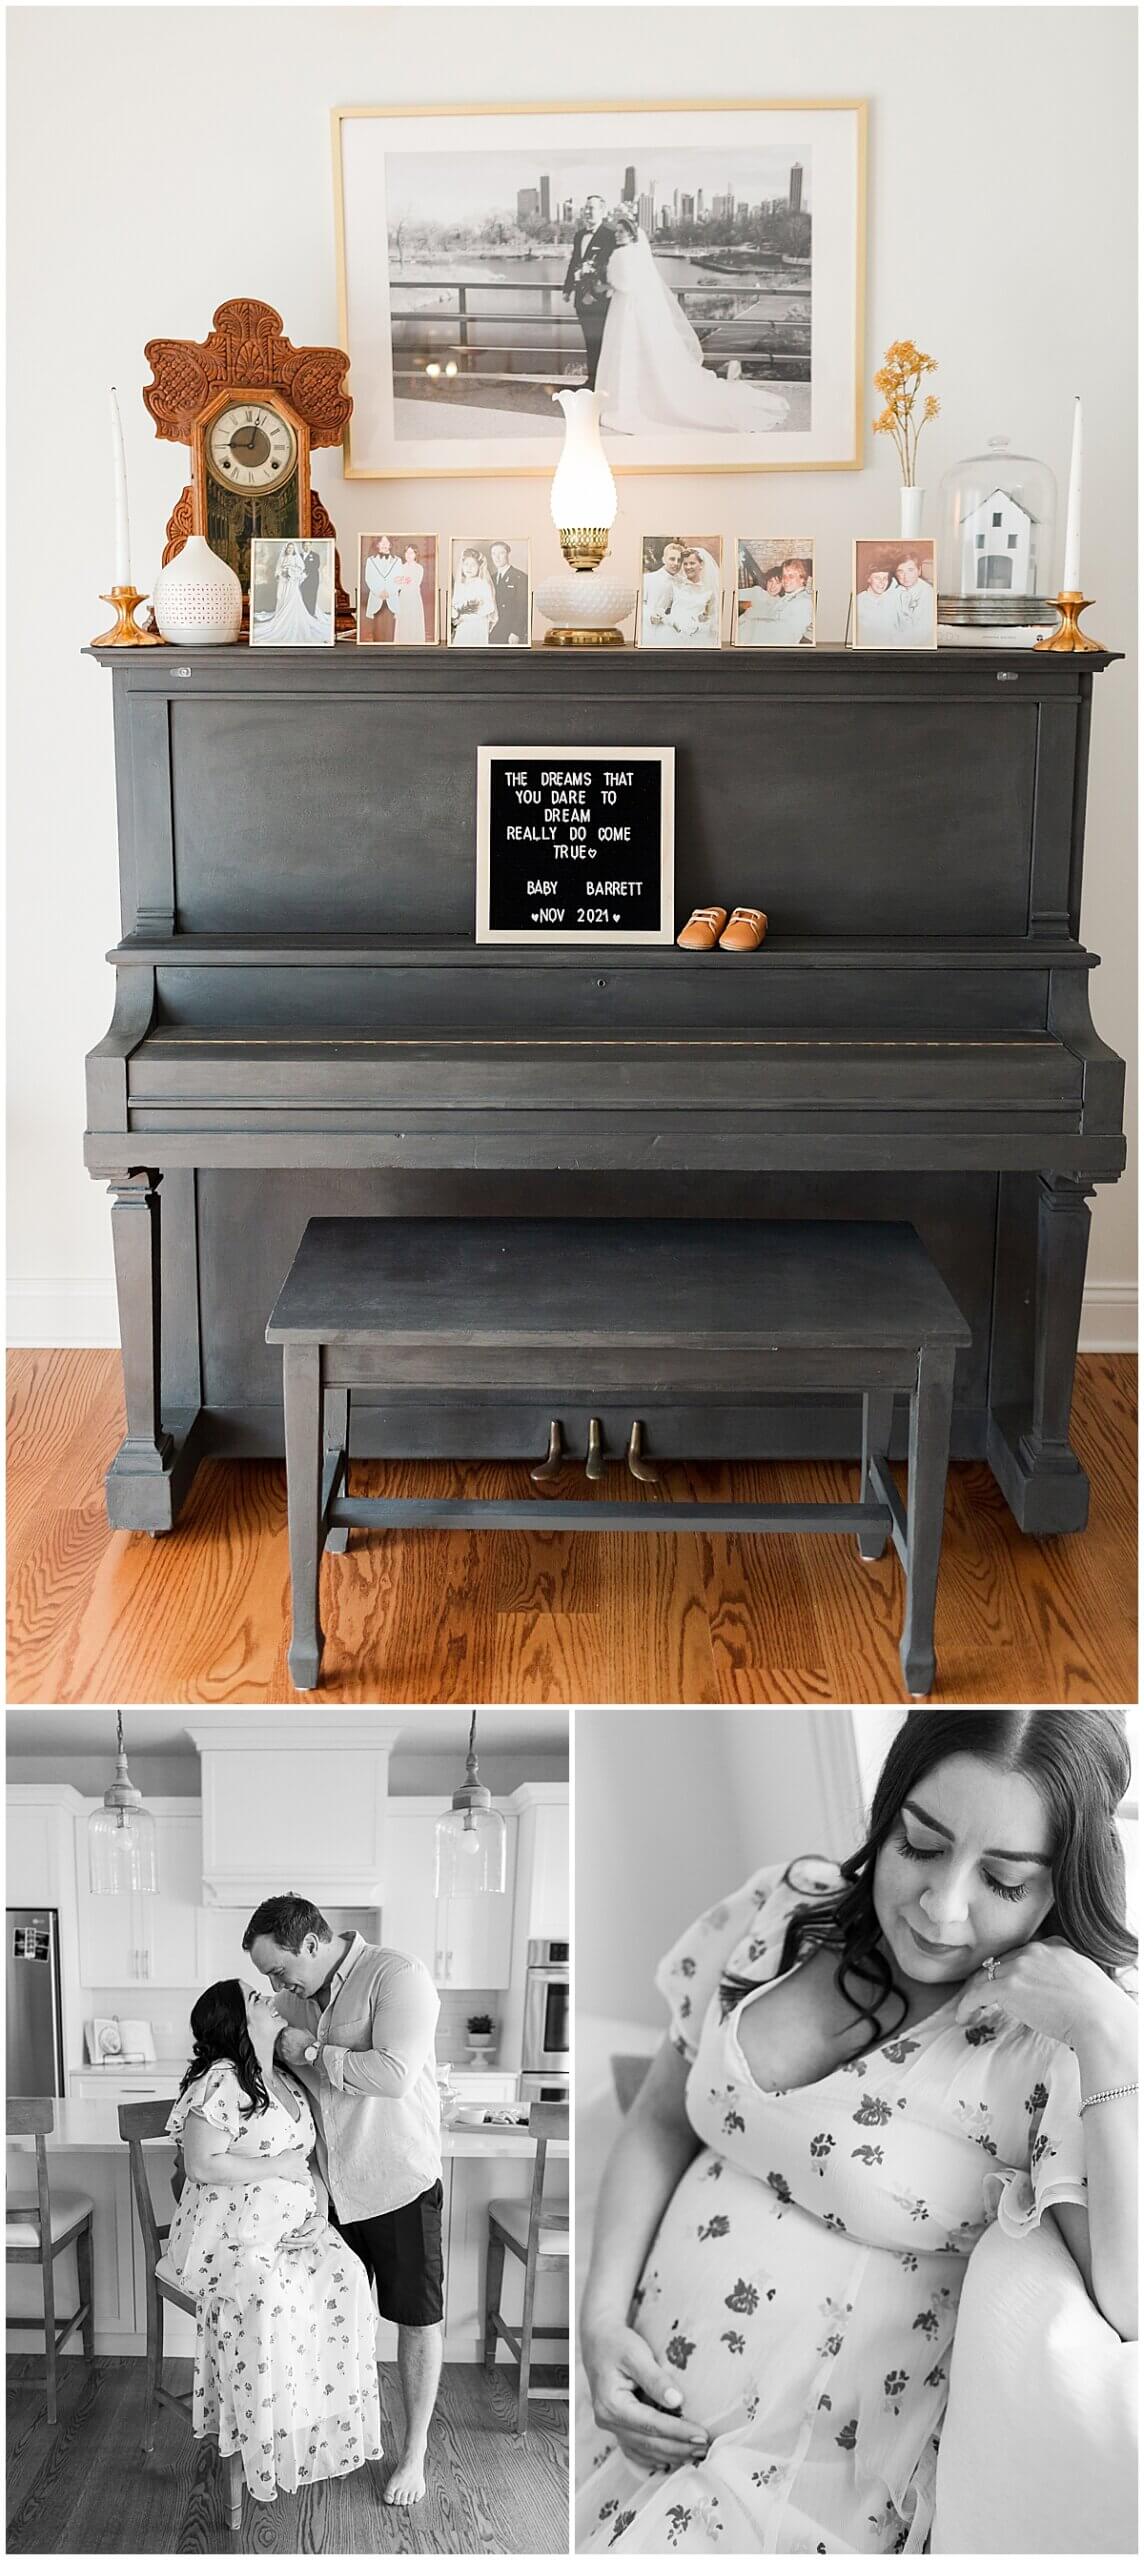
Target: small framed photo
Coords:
[(774, 591), (895, 594), (397, 589), (490, 592), (291, 592), (681, 591)]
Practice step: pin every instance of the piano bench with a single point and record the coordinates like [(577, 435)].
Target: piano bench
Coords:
[(628, 1310)]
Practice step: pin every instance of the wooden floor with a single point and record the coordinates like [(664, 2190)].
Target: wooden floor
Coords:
[(535, 1617), (82, 2486)]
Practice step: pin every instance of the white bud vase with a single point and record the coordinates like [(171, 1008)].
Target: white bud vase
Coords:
[(912, 502), (197, 598)]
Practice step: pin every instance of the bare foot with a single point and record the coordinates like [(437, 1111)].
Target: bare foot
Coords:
[(406, 2483)]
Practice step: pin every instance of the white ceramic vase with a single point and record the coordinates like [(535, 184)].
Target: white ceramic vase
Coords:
[(912, 502), (197, 598)]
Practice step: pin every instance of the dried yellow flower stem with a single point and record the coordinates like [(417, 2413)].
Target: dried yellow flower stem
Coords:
[(899, 380)]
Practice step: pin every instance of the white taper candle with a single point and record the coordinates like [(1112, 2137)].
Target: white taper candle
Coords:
[(122, 531), (1071, 579)]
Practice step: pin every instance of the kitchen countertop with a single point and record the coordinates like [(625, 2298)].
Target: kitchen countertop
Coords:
[(91, 2124)]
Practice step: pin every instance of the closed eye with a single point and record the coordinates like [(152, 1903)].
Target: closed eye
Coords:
[(1006, 1892)]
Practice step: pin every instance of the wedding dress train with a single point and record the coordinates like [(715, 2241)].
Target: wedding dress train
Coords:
[(651, 374)]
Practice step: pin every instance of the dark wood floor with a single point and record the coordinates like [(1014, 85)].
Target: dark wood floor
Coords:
[(544, 1617), (82, 2486)]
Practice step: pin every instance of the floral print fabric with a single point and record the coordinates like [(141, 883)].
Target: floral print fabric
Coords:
[(804, 2280), (285, 2369)]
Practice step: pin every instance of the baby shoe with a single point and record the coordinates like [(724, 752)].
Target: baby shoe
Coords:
[(703, 928), (746, 930)]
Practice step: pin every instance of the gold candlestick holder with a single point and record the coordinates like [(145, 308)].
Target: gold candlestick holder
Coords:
[(1071, 603), (126, 633)]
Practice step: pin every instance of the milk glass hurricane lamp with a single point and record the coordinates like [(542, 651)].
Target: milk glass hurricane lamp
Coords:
[(585, 604), (121, 1836), (470, 1837)]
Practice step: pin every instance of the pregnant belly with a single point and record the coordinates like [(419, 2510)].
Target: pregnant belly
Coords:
[(744, 2298)]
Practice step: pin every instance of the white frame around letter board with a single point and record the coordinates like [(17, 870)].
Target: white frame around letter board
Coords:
[(589, 940)]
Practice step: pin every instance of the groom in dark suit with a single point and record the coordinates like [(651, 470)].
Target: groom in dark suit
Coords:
[(510, 588), (586, 283)]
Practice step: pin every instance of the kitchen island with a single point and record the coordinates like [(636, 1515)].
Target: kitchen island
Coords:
[(85, 2151)]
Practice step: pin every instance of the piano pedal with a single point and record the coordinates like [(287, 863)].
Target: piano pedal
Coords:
[(553, 1465), (594, 1462), (643, 1468)]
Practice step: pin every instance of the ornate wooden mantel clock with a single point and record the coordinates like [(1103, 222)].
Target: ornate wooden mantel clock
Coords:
[(251, 407)]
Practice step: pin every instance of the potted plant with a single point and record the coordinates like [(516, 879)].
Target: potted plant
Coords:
[(481, 2033)]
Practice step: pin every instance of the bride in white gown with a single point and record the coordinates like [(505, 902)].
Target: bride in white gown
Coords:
[(651, 373), (292, 620)]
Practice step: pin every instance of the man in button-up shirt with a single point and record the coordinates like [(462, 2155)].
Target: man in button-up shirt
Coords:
[(361, 2026)]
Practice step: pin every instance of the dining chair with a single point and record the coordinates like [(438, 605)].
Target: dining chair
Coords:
[(538, 2235), (145, 2120), (36, 2229)]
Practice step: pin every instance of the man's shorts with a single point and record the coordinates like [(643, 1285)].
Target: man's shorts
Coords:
[(402, 2252)]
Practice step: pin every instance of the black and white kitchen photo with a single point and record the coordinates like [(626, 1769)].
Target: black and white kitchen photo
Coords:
[(856, 2130), (287, 2084)]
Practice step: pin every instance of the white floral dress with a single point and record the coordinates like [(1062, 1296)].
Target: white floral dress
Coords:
[(804, 2280), (285, 2369)]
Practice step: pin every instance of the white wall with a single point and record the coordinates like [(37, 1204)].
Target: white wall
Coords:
[(1013, 264), (675, 1807)]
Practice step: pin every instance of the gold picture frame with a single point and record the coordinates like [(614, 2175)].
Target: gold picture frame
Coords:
[(380, 442)]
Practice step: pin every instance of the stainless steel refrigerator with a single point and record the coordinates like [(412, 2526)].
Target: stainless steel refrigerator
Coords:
[(34, 2041)]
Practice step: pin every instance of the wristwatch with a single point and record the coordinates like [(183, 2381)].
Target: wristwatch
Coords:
[(311, 2053)]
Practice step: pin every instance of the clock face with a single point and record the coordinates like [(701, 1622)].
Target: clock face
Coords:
[(251, 446)]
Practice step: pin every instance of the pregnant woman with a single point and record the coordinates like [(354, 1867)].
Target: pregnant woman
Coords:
[(866, 2065), (284, 2347)]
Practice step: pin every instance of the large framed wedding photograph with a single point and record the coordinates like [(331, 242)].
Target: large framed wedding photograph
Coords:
[(700, 267)]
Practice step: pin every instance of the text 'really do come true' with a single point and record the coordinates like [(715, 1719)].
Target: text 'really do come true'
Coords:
[(574, 847)]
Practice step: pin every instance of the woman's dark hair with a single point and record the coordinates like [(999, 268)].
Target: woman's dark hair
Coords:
[(1076, 1758), (221, 2034)]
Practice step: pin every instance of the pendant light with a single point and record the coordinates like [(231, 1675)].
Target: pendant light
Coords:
[(121, 1836), (470, 1837)]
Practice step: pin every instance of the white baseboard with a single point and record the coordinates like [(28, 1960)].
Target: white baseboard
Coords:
[(1109, 1316), (80, 1315)]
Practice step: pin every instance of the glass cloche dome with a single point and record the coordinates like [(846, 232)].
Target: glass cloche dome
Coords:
[(998, 536)]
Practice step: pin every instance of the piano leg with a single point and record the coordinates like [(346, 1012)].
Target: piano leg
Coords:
[(302, 1403), (336, 1431), (140, 1489), (931, 1410), (1039, 1474), (877, 1417)]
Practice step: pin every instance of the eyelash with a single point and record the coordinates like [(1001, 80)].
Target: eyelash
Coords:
[(1008, 1892)]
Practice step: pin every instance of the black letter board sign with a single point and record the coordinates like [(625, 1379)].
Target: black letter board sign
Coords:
[(575, 844)]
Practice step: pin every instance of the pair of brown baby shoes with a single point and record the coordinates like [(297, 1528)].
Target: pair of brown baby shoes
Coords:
[(707, 926)]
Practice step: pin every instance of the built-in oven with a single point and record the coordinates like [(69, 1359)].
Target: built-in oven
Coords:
[(547, 2016)]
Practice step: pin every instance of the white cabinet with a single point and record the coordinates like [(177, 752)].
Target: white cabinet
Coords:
[(465, 1944), (127, 1938), (475, 1940), (94, 2086), (31, 1860), (408, 1898), (550, 1902)]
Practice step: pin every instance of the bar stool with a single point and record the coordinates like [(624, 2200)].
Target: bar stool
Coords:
[(144, 2121), (538, 2235), (34, 2234)]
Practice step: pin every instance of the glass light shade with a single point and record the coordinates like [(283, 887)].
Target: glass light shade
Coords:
[(998, 536), (121, 1835), (470, 1851), (121, 1849), (583, 490)]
